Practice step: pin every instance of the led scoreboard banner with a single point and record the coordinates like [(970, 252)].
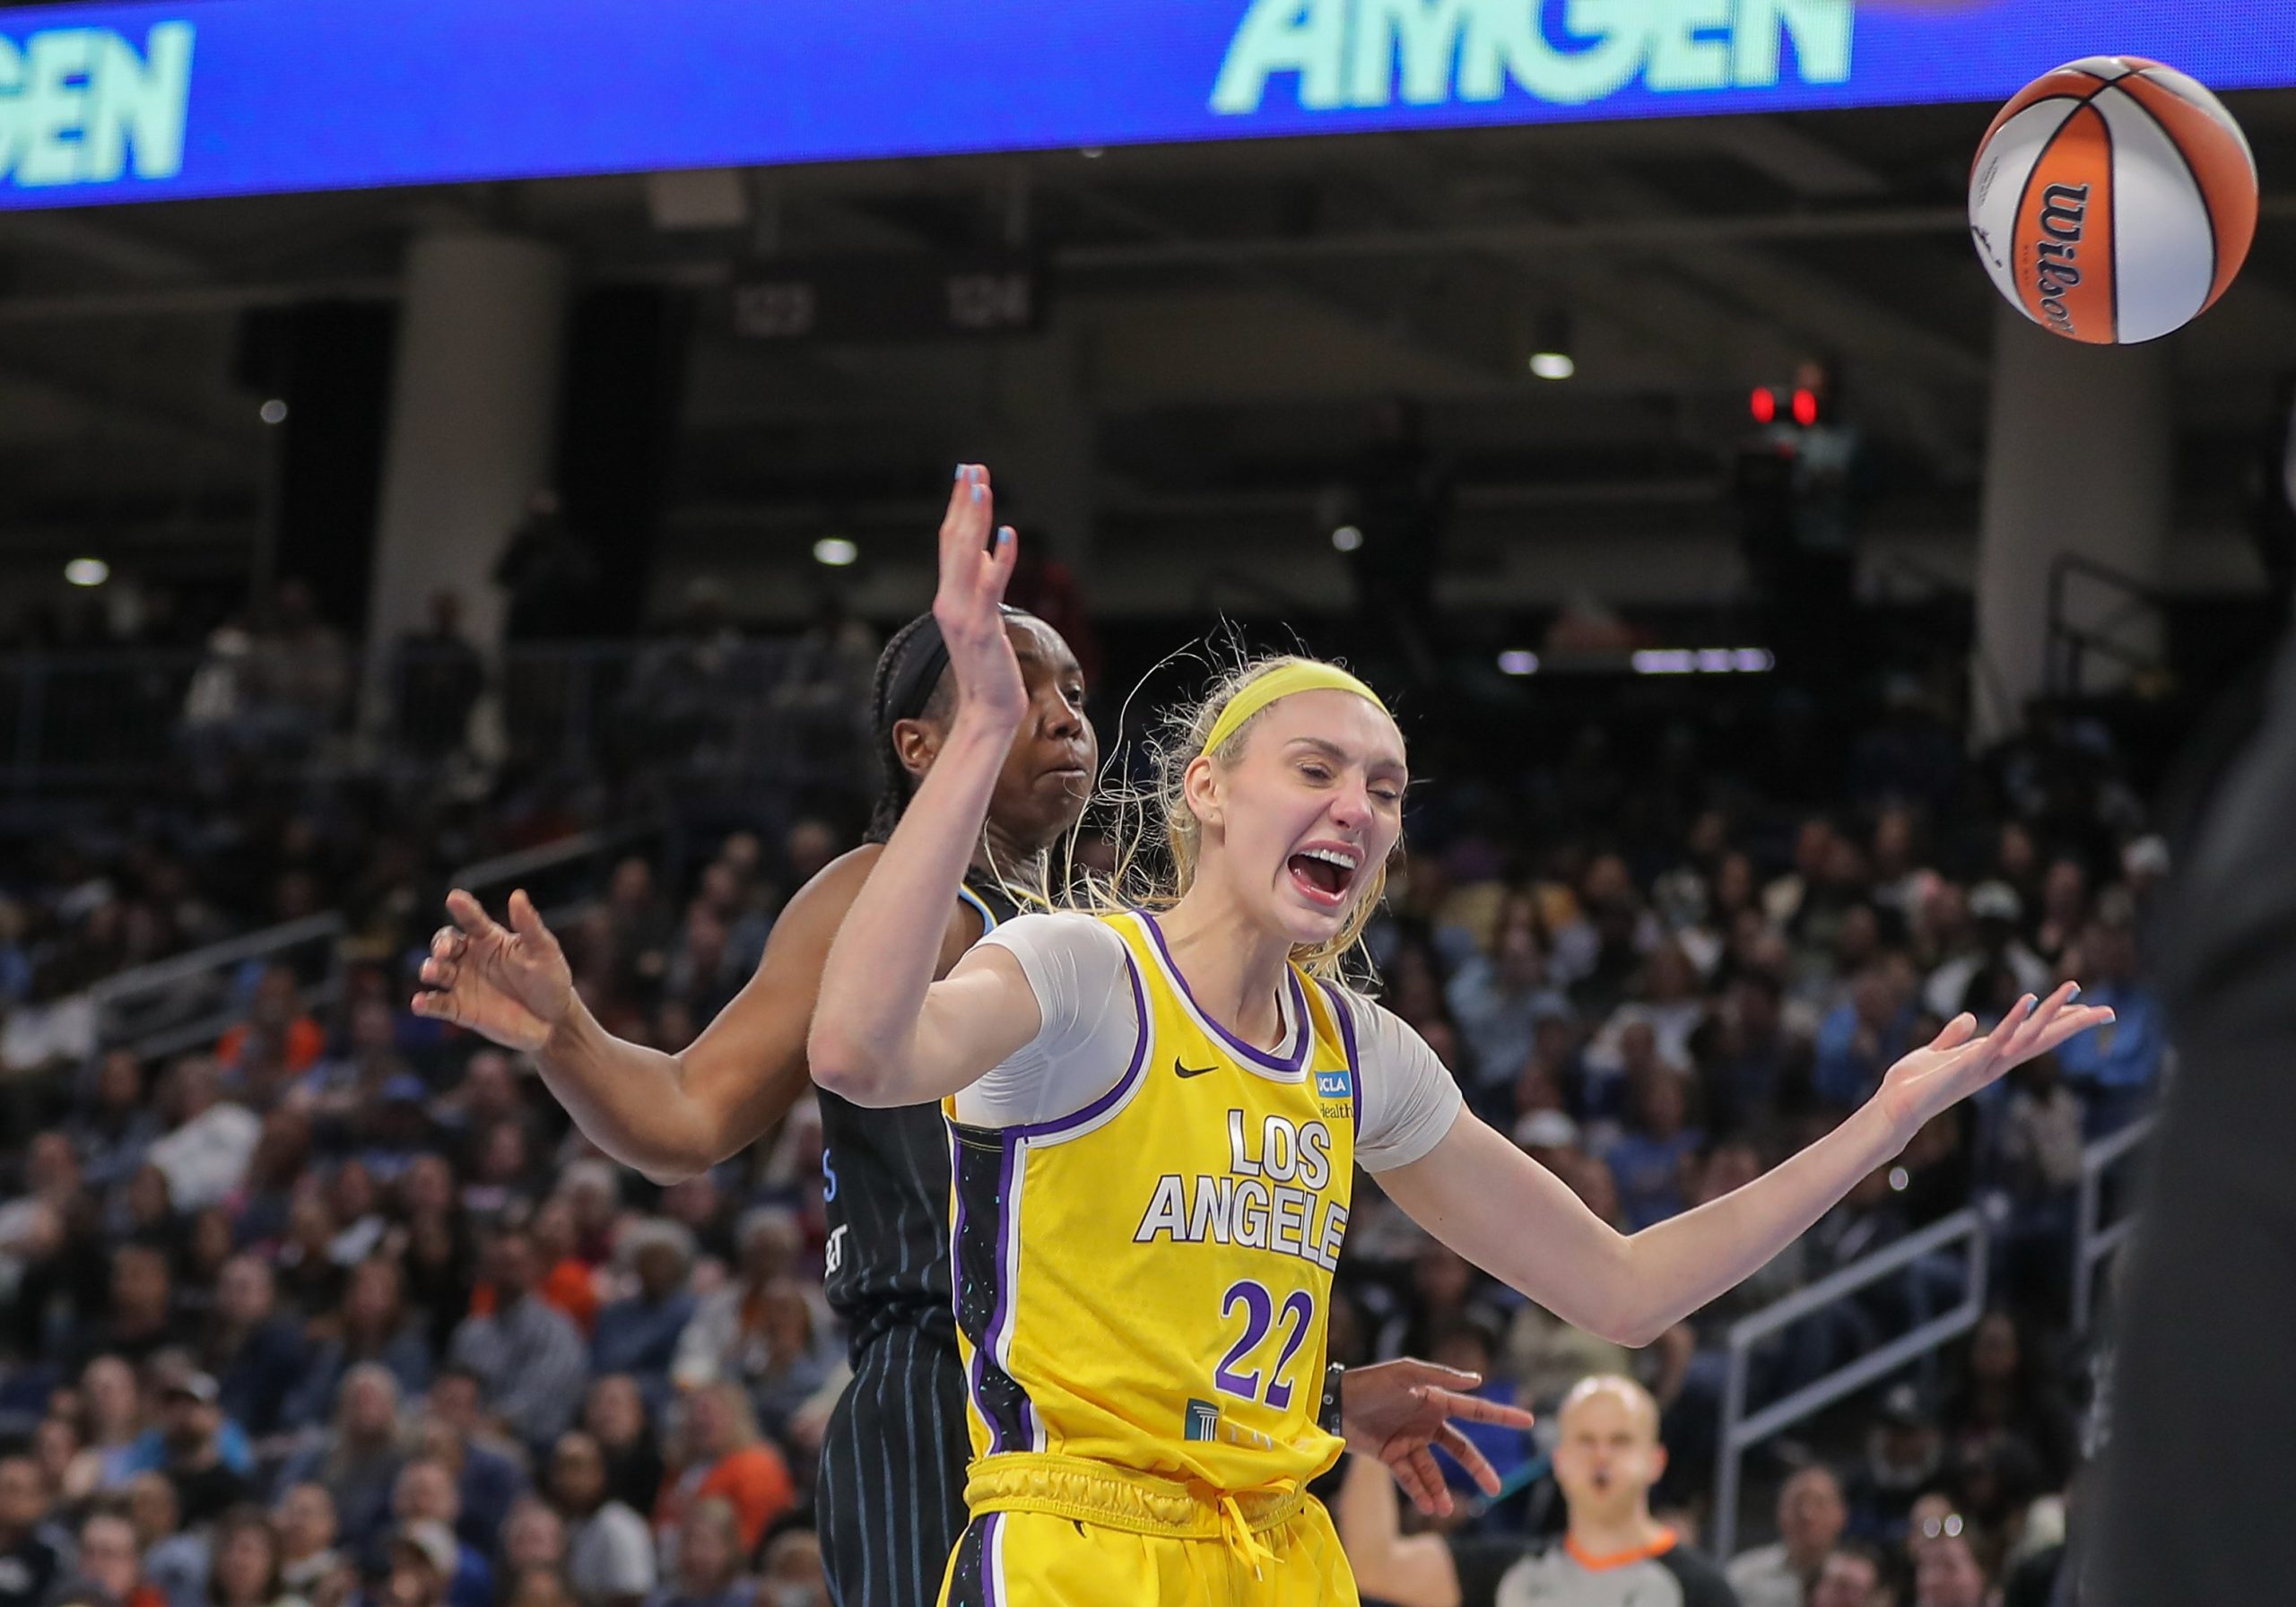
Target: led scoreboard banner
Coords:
[(105, 103)]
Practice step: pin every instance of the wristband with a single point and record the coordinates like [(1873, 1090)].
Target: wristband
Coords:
[(1328, 1414)]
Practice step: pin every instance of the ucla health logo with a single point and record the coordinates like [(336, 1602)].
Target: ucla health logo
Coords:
[(86, 105), (1346, 55)]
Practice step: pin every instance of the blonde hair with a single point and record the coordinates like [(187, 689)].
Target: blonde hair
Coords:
[(1160, 842)]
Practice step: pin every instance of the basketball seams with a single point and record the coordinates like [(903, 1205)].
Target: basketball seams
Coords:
[(2199, 190), (2111, 198), (2189, 90), (2041, 92), (2166, 147), (2224, 182)]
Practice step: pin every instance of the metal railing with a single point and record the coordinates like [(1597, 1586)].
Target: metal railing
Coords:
[(1741, 1431), (175, 1004), (2093, 1239), (562, 876), (2128, 634)]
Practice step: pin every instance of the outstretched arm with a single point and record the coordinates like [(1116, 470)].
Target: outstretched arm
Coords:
[(1515, 1218), (884, 1032), (1411, 1570), (668, 1116)]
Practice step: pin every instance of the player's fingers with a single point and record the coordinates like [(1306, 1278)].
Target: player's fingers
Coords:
[(1474, 1408), (446, 943), (1954, 1033), (959, 489), (1436, 1374), (1409, 1478), (1433, 1496), (2046, 1011), (2071, 1024), (469, 913), (438, 1007), (964, 530), (998, 571), (527, 920), (1477, 1466), (439, 973)]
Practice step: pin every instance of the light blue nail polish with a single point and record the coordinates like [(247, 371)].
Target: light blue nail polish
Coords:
[(960, 470), (978, 492), (2074, 995), (1005, 535)]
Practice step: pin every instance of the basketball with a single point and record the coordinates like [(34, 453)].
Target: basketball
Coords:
[(2112, 200)]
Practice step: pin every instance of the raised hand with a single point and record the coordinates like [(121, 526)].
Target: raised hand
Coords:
[(1396, 1411), (974, 571), (509, 984), (1957, 1063)]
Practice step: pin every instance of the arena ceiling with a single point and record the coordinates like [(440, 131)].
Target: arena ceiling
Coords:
[(1226, 319)]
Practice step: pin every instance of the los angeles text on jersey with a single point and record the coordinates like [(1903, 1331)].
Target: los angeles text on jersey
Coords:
[(1270, 1198)]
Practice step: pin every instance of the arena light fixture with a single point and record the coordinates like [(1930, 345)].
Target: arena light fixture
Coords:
[(1518, 661), (1347, 538), (1703, 661), (835, 550), (272, 412), (87, 571), (1550, 356)]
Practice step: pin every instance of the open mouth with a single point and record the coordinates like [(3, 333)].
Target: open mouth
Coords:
[(1323, 875)]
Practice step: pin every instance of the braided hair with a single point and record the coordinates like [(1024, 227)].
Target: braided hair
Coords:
[(911, 683)]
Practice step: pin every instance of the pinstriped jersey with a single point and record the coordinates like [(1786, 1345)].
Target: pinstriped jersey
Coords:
[(1145, 1281), (886, 1186)]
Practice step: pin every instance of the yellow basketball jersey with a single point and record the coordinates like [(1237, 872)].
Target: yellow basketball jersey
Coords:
[(1145, 1283)]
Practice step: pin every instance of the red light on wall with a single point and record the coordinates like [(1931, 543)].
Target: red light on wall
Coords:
[(1764, 404), (1805, 407)]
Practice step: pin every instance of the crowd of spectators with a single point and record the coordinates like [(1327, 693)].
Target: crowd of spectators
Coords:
[(339, 1307)]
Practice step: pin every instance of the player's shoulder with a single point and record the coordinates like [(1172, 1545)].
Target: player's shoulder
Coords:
[(1061, 926), (1075, 942)]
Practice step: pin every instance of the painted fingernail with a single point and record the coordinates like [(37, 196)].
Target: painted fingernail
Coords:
[(1004, 535), (978, 493), (2074, 995), (960, 470), (2111, 1016)]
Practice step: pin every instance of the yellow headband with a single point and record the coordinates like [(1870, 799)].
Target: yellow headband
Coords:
[(1304, 676)]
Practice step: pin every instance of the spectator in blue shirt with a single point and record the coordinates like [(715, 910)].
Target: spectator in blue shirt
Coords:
[(2117, 1068), (1648, 1161), (1498, 999), (639, 1335)]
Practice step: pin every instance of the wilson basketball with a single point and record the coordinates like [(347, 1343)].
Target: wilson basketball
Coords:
[(2113, 200)]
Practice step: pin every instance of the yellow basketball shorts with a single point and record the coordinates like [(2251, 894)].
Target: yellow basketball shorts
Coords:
[(1058, 1532)]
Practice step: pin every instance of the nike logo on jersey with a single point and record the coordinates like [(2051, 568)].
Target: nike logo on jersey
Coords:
[(1191, 1071)]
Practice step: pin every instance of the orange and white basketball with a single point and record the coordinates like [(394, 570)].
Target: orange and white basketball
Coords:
[(2113, 200)]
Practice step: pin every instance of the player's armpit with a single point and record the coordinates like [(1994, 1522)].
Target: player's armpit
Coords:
[(748, 1067)]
